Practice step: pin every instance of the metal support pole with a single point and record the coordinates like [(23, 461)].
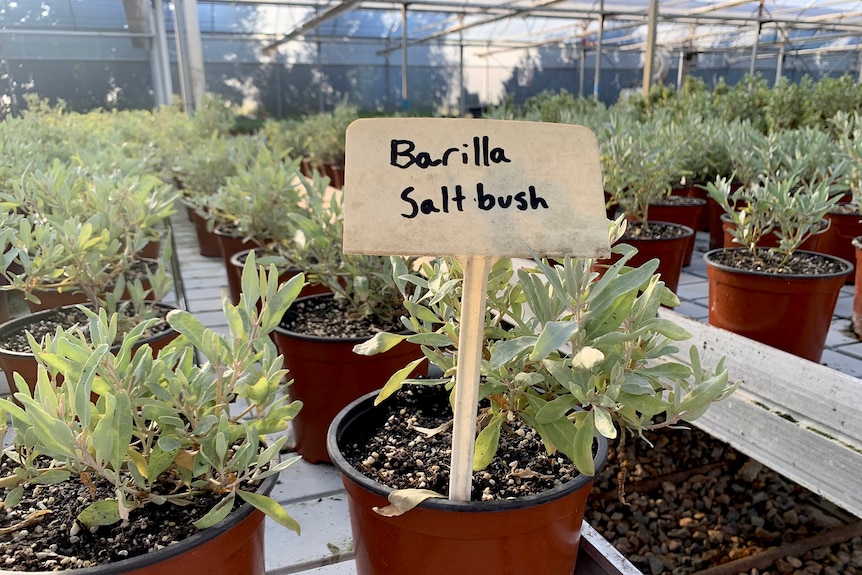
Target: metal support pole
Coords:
[(162, 78), (279, 108), (462, 105), (405, 102), (650, 46), (186, 13), (182, 56), (582, 73), (779, 66), (320, 99), (598, 71), (753, 66), (680, 73)]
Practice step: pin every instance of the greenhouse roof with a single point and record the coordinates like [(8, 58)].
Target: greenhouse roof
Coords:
[(497, 24)]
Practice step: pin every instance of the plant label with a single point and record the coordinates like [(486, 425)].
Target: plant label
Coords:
[(474, 190), (455, 187)]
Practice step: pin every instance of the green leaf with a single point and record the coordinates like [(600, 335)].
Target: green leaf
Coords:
[(215, 515), (610, 319), (556, 410), (695, 401), (103, 512), (430, 339), (271, 508), (668, 329), (554, 335), (648, 405), (381, 342), (487, 442), (397, 380), (14, 496), (277, 305), (421, 312), (673, 371), (189, 326), (604, 422), (52, 476), (505, 351), (582, 455), (54, 434)]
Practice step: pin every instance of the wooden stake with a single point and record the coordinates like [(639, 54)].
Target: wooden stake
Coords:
[(476, 269)]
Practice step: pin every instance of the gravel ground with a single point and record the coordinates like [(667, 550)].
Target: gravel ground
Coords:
[(694, 505)]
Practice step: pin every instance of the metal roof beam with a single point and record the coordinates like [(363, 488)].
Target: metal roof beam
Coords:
[(311, 24), (511, 12)]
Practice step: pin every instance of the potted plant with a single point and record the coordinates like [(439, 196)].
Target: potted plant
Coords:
[(200, 172), (72, 234), (169, 444), (798, 288), (325, 140), (844, 219), (639, 164), (303, 232), (253, 206), (569, 360), (318, 334)]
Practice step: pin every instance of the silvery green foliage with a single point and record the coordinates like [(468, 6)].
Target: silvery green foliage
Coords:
[(162, 429), (782, 204), (74, 229), (848, 134), (640, 161), (559, 338)]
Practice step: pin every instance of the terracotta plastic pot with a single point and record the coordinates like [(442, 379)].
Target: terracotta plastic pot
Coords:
[(535, 534), (327, 375), (838, 239), (24, 363), (856, 320), (237, 260), (151, 250), (52, 298), (335, 173), (698, 191), (208, 244), (687, 215), (789, 312), (811, 244), (234, 546), (670, 253)]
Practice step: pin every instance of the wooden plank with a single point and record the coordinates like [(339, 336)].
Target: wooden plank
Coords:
[(812, 394), (598, 557), (802, 419)]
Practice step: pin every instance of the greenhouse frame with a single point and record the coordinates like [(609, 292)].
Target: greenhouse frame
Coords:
[(279, 58)]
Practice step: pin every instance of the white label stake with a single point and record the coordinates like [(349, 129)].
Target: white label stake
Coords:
[(474, 295), (476, 190)]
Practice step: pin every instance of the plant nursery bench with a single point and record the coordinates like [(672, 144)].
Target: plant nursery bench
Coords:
[(802, 419)]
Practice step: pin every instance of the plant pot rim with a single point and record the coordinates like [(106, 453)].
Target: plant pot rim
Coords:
[(322, 338), (839, 209), (848, 267), (689, 202), (235, 261), (690, 232), (153, 557), (18, 322), (347, 415)]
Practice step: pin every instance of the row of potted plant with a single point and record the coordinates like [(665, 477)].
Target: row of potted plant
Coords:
[(139, 429)]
